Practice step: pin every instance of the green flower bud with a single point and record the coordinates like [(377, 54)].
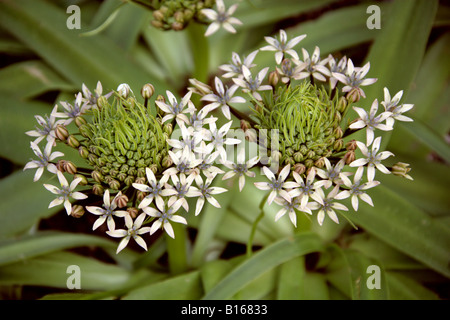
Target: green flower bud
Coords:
[(79, 121), (73, 142), (97, 176), (401, 169), (98, 189), (114, 184), (83, 151), (83, 181), (70, 167), (122, 201)]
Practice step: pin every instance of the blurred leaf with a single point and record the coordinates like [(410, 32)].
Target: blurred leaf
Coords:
[(398, 49), (183, 287), (403, 288), (42, 27), (51, 271), (349, 273), (23, 204), (17, 118), (45, 242), (30, 78), (291, 279), (262, 261), (402, 225)]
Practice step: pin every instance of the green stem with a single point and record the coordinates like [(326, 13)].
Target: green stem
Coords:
[(176, 249), (255, 224)]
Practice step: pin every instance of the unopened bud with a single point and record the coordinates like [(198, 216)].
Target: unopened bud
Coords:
[(73, 142), (177, 26), (342, 105), (122, 201), (114, 184), (147, 91), (300, 168), (77, 211), (351, 145), (133, 212), (354, 95), (320, 163), (98, 189), (83, 181), (401, 169), (102, 102), (167, 161), (60, 165), (349, 157), (61, 132), (97, 176), (274, 77), (124, 90), (338, 144), (70, 167), (79, 121)]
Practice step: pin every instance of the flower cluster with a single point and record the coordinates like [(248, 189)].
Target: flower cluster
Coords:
[(135, 166), (296, 116), (145, 164)]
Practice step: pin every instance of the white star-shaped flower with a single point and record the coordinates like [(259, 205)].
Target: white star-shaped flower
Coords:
[(282, 46), (305, 188), (393, 106), (222, 98), (234, 69), (327, 204), (219, 140), (354, 77), (253, 85), (176, 110), (332, 174), (357, 189), (44, 160), (65, 192), (134, 230), (155, 188), (312, 66), (205, 192), (221, 18), (164, 214), (277, 185), (240, 168), (372, 158), (47, 127), (107, 212), (371, 120), (72, 111)]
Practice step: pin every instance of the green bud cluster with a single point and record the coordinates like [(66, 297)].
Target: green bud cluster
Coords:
[(176, 14), (308, 123), (122, 139)]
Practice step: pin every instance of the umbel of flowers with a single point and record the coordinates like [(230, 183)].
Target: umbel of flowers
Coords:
[(134, 168), (300, 114)]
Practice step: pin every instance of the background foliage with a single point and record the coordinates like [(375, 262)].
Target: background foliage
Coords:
[(406, 233)]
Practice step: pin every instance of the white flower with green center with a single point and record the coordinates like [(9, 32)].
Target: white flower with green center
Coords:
[(313, 66), (44, 161), (327, 204), (155, 188), (65, 192), (164, 214), (234, 69), (371, 121), (357, 189), (134, 230), (204, 191), (221, 18), (354, 78), (47, 127), (222, 98), (176, 110), (305, 188), (253, 85), (107, 211), (277, 185), (282, 46), (241, 168), (372, 158)]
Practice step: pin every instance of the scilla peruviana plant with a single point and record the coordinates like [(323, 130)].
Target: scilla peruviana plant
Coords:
[(133, 174)]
